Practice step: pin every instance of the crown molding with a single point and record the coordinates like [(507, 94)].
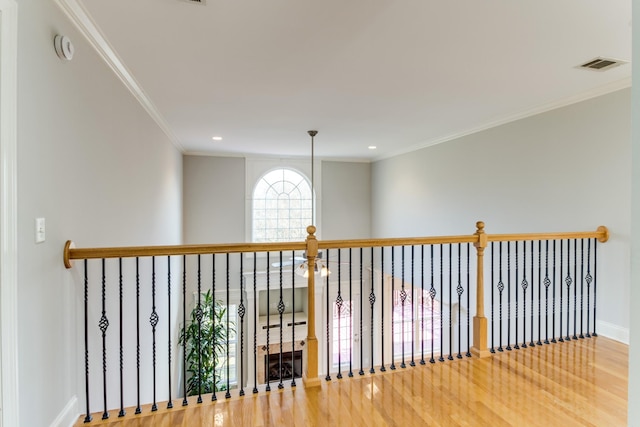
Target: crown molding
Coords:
[(592, 93), (89, 29)]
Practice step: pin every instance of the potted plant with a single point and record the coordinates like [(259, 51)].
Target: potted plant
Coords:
[(206, 360)]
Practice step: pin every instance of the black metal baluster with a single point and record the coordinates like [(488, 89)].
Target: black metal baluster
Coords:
[(138, 409), (104, 324), (153, 320), (281, 308), (524, 294), (328, 307), (214, 343), (500, 289), (122, 412), (561, 339), (185, 402), (403, 299), (88, 417), (350, 313), (227, 395), (450, 357), (432, 295), (199, 313), (547, 283), (575, 289), (382, 368), (595, 276), (361, 372), (493, 325), (422, 300), (241, 312), (568, 282), (468, 354), (581, 287), (509, 296), (293, 320), (588, 279), (532, 344), (539, 342), (459, 290), (441, 358), (255, 323), (553, 298), (169, 331), (413, 317), (339, 303), (268, 388), (372, 300), (393, 304)]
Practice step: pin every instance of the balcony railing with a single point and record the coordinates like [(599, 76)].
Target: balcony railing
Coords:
[(164, 322)]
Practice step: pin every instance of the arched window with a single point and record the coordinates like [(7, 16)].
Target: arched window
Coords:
[(281, 207)]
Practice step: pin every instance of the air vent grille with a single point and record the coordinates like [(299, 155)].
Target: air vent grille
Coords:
[(602, 64), (202, 2)]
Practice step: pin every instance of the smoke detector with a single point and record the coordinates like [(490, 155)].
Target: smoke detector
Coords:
[(602, 64)]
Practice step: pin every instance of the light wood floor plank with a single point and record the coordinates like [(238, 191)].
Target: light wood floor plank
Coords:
[(576, 383)]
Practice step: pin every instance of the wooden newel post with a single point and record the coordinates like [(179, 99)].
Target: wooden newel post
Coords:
[(310, 377), (480, 330)]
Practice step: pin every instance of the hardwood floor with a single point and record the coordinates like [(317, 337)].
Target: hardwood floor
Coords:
[(575, 383)]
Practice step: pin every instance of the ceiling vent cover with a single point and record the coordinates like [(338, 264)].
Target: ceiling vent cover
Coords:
[(602, 64), (202, 2)]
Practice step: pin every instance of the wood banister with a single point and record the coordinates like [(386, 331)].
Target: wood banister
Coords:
[(311, 377)]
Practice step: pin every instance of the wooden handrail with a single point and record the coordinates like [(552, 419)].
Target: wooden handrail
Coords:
[(602, 234)]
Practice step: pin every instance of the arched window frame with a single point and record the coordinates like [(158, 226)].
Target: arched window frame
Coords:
[(256, 168)]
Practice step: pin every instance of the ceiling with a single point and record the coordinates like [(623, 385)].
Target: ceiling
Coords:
[(398, 75)]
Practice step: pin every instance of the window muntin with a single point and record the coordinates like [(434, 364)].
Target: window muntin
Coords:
[(282, 206)]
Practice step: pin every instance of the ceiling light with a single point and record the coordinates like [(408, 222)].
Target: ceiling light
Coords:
[(217, 138), (372, 147)]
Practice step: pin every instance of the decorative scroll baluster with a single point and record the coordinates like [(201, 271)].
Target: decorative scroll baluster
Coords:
[(588, 279), (532, 344), (153, 320), (432, 295), (581, 287), (361, 372), (524, 294), (339, 303), (422, 300), (104, 324), (185, 402), (468, 354), (199, 315), (459, 290), (88, 417), (138, 409), (553, 300), (595, 275), (122, 412), (509, 296), (413, 317), (255, 324), (293, 320), (214, 344), (500, 289), (547, 283), (227, 395), (241, 313), (169, 331), (393, 302), (441, 358), (328, 376), (280, 313), (268, 388), (403, 299), (372, 300), (351, 314)]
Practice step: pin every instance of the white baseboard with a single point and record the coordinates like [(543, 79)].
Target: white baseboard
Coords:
[(612, 331), (69, 414)]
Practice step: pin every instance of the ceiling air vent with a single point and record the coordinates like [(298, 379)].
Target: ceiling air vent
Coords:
[(202, 2), (602, 64)]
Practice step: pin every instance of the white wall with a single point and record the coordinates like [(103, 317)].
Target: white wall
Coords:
[(94, 164), (565, 170)]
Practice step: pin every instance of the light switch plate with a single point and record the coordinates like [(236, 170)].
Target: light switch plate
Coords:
[(40, 230)]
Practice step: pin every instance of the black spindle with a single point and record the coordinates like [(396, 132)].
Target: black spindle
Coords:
[(351, 313), (328, 377), (104, 324), (575, 289), (509, 295), (241, 313), (500, 289), (581, 287), (382, 368), (361, 371), (553, 298), (122, 412), (138, 409), (255, 324), (588, 279), (532, 291), (281, 308), (185, 402), (214, 343), (199, 314), (153, 320), (441, 358), (227, 395), (524, 294), (393, 304), (422, 300), (169, 331), (432, 295), (459, 290), (88, 417), (372, 300), (547, 283)]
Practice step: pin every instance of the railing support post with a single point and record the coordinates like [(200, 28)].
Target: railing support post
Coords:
[(310, 377), (480, 330)]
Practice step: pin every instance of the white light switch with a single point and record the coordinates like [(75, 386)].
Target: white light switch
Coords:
[(40, 230)]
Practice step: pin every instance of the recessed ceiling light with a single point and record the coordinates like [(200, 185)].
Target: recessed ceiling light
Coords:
[(372, 147), (217, 138)]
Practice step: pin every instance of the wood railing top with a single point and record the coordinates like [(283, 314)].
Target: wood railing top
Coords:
[(479, 239)]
